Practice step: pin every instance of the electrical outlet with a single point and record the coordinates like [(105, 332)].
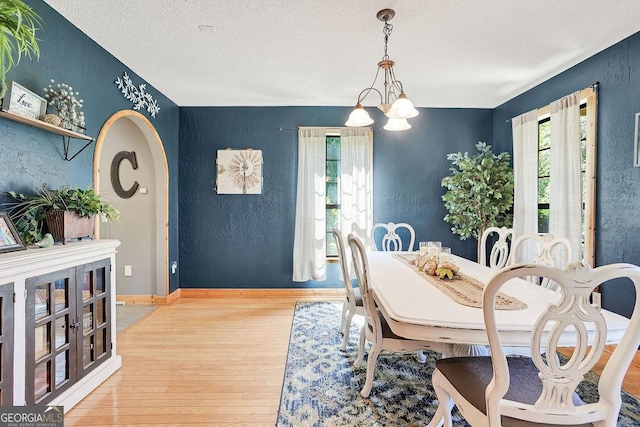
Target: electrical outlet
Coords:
[(128, 270), (596, 299)]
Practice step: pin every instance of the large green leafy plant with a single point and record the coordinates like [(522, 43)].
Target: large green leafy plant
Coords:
[(479, 192), (18, 26), (28, 212)]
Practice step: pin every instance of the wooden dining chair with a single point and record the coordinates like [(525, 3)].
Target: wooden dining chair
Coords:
[(376, 329), (391, 240), (547, 252), (499, 254), (498, 390), (353, 303)]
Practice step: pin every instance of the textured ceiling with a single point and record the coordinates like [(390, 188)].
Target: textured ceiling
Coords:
[(455, 53)]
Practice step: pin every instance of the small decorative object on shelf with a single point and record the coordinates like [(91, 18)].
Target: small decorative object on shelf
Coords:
[(53, 119), (68, 105), (22, 101)]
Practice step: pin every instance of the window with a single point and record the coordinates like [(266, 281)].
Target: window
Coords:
[(587, 147), (544, 173), (335, 186), (332, 192), (544, 167)]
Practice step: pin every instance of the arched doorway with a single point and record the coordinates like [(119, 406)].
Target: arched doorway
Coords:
[(142, 258)]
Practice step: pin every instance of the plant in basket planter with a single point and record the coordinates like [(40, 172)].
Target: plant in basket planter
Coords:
[(66, 213), (68, 106)]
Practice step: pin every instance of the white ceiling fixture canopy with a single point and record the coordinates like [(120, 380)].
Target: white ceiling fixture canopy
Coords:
[(393, 101)]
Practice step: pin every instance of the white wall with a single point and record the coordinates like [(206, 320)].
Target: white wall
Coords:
[(136, 227)]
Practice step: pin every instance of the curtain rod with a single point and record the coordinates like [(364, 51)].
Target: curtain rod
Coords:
[(594, 86), (313, 127)]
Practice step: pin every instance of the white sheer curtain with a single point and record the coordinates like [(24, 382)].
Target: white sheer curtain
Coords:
[(525, 171), (356, 183), (565, 216), (309, 262)]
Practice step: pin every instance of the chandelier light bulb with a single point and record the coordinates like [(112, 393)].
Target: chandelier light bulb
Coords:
[(402, 108), (359, 117), (397, 124)]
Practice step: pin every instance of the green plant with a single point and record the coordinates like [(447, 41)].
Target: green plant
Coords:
[(28, 212), (479, 192), (18, 26)]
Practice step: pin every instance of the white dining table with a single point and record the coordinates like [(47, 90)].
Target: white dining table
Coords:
[(416, 309)]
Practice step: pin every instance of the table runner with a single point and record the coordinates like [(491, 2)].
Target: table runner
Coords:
[(463, 289)]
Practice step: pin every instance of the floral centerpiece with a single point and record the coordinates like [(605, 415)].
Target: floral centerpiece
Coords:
[(68, 105), (430, 266)]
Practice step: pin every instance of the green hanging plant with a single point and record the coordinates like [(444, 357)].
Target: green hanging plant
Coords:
[(479, 192), (18, 26)]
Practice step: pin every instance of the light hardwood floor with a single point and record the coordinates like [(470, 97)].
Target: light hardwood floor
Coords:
[(204, 361)]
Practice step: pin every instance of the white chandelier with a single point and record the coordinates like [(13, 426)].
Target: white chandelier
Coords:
[(393, 102)]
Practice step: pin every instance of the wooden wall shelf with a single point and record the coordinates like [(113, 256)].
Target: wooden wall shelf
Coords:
[(65, 133)]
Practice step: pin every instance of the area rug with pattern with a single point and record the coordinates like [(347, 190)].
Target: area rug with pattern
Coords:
[(321, 386)]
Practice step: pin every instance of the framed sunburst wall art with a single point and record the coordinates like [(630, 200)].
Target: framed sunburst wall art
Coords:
[(239, 172)]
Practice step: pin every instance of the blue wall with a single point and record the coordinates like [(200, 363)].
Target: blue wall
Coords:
[(30, 157), (246, 241), (617, 69)]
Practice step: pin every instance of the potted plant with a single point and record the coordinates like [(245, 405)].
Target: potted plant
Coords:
[(18, 26), (66, 213), (479, 192)]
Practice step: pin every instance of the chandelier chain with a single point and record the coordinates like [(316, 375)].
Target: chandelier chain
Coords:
[(387, 32)]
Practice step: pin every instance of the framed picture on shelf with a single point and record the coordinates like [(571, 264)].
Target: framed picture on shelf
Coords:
[(636, 142), (20, 100), (9, 238)]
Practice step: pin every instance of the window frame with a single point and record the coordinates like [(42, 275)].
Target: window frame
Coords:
[(331, 133), (588, 98)]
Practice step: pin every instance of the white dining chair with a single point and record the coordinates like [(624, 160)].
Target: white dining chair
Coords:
[(548, 251), (391, 240), (353, 302), (376, 329), (498, 390), (499, 254)]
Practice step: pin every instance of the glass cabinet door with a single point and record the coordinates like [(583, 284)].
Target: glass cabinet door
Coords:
[(6, 345), (50, 324), (94, 309), (68, 328)]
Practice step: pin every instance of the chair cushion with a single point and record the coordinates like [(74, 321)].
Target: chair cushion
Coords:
[(357, 297), (471, 376), (386, 329)]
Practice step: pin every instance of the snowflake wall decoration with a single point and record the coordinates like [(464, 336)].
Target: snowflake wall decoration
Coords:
[(137, 95)]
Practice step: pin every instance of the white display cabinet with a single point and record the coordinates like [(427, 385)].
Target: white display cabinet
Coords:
[(57, 336)]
